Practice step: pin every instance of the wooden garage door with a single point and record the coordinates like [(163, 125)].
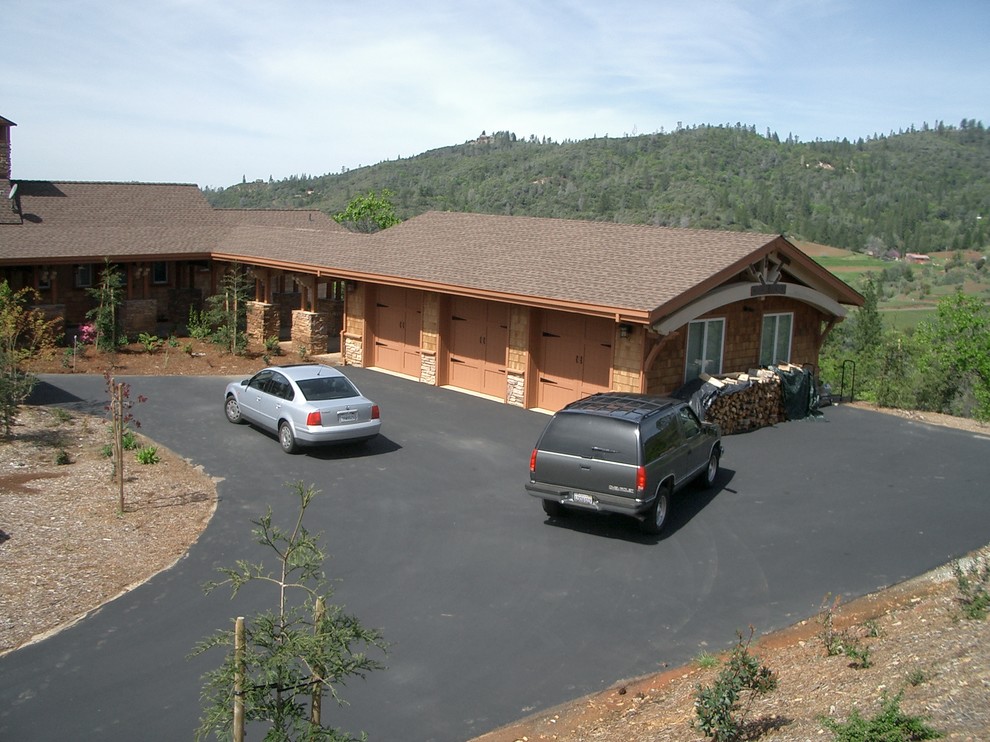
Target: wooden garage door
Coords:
[(575, 358), (477, 339), (398, 320)]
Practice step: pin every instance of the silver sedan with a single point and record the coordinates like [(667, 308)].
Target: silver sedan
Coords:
[(304, 404)]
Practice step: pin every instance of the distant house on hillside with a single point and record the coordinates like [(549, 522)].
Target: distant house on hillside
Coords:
[(531, 312), (917, 258)]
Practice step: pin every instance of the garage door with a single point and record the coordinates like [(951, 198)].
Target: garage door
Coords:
[(477, 338), (575, 358), (398, 320)]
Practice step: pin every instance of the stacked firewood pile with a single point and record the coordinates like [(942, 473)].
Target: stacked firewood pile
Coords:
[(746, 401)]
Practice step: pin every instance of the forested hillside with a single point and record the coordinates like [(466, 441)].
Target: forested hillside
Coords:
[(921, 190)]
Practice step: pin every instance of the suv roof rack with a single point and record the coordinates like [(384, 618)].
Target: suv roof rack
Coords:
[(622, 405)]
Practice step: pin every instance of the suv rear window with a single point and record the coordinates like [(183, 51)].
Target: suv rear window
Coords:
[(591, 436)]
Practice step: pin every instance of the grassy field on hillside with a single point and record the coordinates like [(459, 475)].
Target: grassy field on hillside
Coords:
[(910, 293)]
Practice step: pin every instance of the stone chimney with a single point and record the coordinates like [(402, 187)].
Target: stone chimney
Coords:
[(8, 201)]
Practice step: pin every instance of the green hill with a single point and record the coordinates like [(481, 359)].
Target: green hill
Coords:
[(919, 191)]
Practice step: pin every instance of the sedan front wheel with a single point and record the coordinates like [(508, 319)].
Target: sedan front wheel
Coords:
[(232, 410)]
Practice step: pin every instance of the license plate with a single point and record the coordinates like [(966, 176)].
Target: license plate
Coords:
[(348, 416), (582, 498)]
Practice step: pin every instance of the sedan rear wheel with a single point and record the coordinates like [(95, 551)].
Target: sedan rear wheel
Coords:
[(232, 410), (286, 439)]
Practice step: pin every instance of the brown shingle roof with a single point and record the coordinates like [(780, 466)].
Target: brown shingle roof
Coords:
[(309, 219), (625, 270), (605, 268), (64, 221), (596, 263)]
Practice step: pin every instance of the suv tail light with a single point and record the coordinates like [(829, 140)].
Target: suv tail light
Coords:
[(375, 412), (532, 462), (314, 418), (641, 480)]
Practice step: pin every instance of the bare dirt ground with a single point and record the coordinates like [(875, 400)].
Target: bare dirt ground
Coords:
[(65, 550)]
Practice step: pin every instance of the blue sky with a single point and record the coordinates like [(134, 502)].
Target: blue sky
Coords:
[(210, 91)]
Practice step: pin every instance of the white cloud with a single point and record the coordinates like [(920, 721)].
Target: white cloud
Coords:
[(210, 91)]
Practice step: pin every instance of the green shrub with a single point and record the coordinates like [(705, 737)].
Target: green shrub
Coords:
[(130, 440), (719, 707), (706, 660), (148, 455), (889, 725), (858, 652), (838, 642), (973, 582), (151, 343), (199, 326), (830, 637), (61, 415)]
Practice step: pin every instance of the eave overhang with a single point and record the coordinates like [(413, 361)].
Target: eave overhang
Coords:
[(741, 292)]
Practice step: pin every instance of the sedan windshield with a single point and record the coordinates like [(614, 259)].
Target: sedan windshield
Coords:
[(326, 387)]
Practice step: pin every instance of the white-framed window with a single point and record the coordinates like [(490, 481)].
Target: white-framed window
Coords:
[(704, 347), (775, 344), (159, 272), (84, 276)]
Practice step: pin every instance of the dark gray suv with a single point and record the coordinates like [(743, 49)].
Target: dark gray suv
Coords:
[(622, 453)]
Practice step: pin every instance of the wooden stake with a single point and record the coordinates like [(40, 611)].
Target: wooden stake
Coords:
[(317, 703), (238, 730), (118, 423)]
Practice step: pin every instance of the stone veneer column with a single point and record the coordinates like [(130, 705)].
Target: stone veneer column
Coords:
[(518, 356), (263, 321), (352, 336), (309, 332), (429, 338)]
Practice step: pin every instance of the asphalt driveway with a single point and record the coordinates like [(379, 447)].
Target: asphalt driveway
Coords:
[(494, 611)]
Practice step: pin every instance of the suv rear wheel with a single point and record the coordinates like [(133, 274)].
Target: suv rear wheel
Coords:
[(553, 508), (656, 517)]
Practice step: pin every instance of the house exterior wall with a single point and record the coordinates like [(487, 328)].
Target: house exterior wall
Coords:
[(741, 348), (633, 346), (627, 359), (150, 304), (138, 316)]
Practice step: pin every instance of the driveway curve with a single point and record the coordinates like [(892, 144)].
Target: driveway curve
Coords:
[(494, 611)]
